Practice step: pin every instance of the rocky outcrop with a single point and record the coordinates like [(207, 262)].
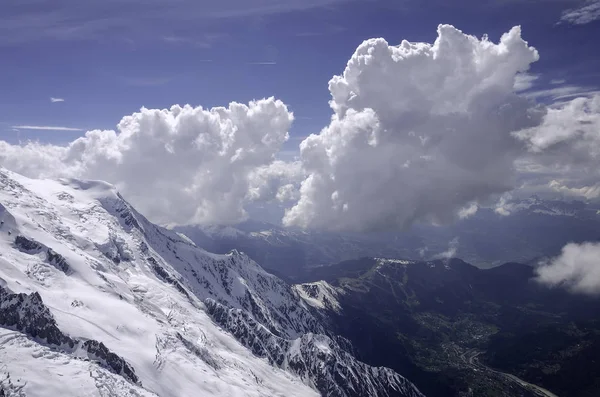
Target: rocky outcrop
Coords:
[(28, 314), (32, 247), (318, 359)]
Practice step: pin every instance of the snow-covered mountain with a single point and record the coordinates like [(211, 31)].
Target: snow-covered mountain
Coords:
[(96, 300)]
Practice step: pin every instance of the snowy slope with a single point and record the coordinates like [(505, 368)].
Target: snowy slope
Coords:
[(90, 289), (122, 303)]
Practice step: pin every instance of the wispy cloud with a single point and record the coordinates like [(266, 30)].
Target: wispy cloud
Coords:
[(206, 40), (113, 19), (45, 128), (147, 81), (450, 252), (587, 13), (561, 92), (263, 63), (524, 81), (328, 30), (54, 100), (309, 34)]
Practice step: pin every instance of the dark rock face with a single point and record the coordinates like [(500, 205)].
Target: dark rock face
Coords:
[(98, 351), (125, 213), (32, 247), (316, 358), (29, 315), (165, 276), (26, 245), (57, 261)]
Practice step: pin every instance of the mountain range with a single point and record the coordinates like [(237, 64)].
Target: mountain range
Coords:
[(97, 300), (458, 330), (522, 231)]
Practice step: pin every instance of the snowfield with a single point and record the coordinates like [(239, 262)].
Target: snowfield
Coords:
[(124, 304), (138, 294)]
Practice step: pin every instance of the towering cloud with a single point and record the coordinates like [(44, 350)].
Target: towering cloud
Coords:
[(180, 165), (418, 131)]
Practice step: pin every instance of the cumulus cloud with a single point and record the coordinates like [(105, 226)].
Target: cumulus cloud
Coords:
[(587, 13), (54, 100), (468, 211), (576, 268), (419, 131), (278, 180), (574, 124), (180, 165), (565, 148), (503, 206)]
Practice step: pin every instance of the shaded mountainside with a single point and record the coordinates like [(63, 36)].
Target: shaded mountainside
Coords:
[(439, 322), (95, 299), (317, 359)]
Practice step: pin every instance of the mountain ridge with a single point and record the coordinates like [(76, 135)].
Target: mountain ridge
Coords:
[(151, 295), (457, 330)]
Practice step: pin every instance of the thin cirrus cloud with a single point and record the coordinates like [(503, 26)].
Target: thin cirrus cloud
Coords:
[(45, 128), (263, 63), (55, 100), (72, 20), (587, 13)]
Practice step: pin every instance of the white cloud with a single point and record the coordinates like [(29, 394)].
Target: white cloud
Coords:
[(468, 211), (576, 123), (562, 92), (278, 180), (587, 13), (419, 131), (54, 100), (450, 252), (45, 128), (179, 165), (576, 268), (263, 63), (524, 81), (588, 192), (503, 207), (565, 148)]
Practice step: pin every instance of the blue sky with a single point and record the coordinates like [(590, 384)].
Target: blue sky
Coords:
[(107, 59)]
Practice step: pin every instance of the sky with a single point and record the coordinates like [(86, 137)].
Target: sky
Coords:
[(106, 59), (420, 111)]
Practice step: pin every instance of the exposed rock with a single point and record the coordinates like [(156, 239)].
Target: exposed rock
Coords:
[(28, 314), (28, 246), (317, 359), (32, 247)]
